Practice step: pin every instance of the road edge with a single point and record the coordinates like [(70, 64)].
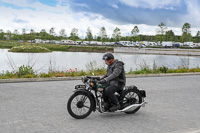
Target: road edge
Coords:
[(78, 78)]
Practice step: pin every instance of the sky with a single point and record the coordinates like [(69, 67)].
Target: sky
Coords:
[(81, 14)]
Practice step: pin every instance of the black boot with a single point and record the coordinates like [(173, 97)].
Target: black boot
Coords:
[(106, 106), (115, 107)]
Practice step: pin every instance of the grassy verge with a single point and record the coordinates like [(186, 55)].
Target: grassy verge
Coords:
[(28, 72), (163, 69)]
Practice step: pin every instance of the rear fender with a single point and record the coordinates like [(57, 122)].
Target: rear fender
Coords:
[(89, 93), (142, 92)]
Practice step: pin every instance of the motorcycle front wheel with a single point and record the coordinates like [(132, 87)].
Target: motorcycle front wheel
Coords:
[(80, 105)]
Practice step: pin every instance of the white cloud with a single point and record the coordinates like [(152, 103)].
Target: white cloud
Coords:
[(193, 16), (61, 16), (114, 6), (42, 19), (152, 4)]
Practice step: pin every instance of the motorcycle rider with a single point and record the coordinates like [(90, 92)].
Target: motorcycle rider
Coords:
[(115, 78)]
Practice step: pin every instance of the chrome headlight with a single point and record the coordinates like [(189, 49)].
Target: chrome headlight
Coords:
[(80, 86), (84, 79)]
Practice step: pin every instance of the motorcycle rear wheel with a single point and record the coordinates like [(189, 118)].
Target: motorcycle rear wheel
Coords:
[(80, 105), (131, 97)]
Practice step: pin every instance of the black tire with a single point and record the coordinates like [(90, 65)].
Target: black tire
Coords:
[(80, 105), (131, 96)]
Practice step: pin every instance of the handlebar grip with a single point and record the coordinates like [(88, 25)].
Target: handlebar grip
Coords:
[(91, 77)]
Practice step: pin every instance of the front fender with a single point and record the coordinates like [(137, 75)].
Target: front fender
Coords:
[(89, 93)]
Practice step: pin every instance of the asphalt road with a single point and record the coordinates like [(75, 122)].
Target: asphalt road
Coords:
[(40, 107)]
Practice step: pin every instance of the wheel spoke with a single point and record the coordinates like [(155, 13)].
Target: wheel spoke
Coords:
[(77, 99), (80, 105), (84, 98), (131, 97), (86, 106), (80, 111)]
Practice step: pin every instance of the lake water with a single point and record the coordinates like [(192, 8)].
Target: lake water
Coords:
[(63, 61)]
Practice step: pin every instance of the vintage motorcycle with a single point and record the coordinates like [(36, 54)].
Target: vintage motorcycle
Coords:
[(89, 97)]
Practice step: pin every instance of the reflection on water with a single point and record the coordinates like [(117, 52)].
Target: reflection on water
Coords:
[(62, 61)]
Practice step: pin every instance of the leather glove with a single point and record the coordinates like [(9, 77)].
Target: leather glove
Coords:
[(102, 81)]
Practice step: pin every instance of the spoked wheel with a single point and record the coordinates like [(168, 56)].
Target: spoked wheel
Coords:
[(80, 105), (131, 97)]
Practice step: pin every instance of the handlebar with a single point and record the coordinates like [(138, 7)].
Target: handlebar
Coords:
[(93, 77)]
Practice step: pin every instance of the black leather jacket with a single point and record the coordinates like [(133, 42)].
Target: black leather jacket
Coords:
[(115, 73)]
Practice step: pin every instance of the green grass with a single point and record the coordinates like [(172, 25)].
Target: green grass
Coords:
[(28, 72), (164, 69), (9, 44)]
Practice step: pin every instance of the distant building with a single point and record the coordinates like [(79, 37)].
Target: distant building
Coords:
[(38, 40), (67, 41)]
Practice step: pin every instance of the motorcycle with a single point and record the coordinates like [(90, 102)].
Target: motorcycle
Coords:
[(89, 97)]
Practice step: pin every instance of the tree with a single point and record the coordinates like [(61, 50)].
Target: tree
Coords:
[(186, 36), (74, 34), (161, 30), (102, 34), (89, 36), (62, 33), (16, 35), (197, 37), (43, 34), (135, 31), (139, 38), (186, 28), (32, 35), (116, 34), (112, 39), (169, 36), (24, 35), (98, 38), (52, 33), (1, 34)]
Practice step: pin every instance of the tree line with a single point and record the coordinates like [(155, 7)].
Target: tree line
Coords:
[(162, 34)]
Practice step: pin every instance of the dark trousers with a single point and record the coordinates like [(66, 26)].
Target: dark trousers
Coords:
[(109, 93)]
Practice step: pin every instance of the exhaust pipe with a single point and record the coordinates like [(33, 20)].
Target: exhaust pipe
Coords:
[(132, 107), (129, 108)]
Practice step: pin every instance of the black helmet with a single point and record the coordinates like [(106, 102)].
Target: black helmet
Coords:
[(108, 56)]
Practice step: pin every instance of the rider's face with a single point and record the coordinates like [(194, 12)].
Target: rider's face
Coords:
[(107, 63)]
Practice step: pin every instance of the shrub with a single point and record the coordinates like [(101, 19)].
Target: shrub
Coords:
[(29, 76), (44, 75), (61, 74), (8, 75), (163, 69), (25, 70), (192, 70), (170, 71), (182, 70), (82, 73)]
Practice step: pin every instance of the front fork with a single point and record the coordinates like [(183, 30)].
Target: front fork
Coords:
[(99, 101)]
